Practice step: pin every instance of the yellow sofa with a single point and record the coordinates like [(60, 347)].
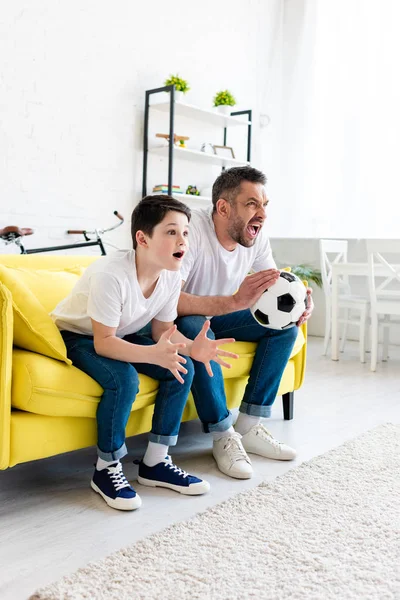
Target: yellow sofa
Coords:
[(48, 406)]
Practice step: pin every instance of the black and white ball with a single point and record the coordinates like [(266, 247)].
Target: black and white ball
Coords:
[(282, 305)]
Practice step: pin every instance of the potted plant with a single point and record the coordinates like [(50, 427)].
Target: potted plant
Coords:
[(181, 86), (223, 101)]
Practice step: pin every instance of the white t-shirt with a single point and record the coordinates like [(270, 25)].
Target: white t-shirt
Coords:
[(109, 293), (210, 270)]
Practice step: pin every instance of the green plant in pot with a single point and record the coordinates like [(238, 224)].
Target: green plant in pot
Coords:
[(224, 101), (306, 273), (181, 85)]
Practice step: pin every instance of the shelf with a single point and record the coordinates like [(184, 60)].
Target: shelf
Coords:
[(185, 197), (196, 155), (208, 116)]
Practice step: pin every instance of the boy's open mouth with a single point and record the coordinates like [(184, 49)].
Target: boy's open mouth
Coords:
[(178, 255)]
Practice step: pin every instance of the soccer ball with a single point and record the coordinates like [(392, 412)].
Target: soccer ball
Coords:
[(282, 305)]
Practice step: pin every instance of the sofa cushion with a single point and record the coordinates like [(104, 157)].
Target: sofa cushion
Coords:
[(45, 386), (49, 286), (33, 328)]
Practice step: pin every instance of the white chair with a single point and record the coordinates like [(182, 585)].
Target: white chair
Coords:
[(330, 252), (383, 263)]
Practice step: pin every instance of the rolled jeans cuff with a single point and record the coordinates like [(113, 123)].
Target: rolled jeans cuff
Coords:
[(116, 455), (167, 440), (220, 426), (256, 410)]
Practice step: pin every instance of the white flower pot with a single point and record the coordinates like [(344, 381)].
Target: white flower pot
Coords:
[(223, 109), (179, 96)]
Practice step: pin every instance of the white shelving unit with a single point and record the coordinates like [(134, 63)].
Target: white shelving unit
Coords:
[(200, 114), (173, 152)]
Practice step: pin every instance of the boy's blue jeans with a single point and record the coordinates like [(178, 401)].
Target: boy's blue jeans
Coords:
[(273, 352), (120, 383)]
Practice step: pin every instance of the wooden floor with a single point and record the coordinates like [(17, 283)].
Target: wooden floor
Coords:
[(51, 522)]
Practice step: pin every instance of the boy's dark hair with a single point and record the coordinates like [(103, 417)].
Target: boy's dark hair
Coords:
[(227, 185), (150, 212)]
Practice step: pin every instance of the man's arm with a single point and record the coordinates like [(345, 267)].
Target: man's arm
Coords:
[(248, 293)]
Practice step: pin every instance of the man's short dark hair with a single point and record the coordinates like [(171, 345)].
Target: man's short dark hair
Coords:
[(150, 212), (227, 185)]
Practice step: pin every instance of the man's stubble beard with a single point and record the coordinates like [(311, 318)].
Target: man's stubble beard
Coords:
[(236, 229)]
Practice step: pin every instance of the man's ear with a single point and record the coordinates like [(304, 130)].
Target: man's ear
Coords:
[(223, 208), (141, 239)]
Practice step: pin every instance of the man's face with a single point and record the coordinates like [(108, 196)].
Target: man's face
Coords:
[(169, 241), (247, 214)]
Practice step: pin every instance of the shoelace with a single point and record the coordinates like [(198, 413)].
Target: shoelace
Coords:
[(118, 478), (176, 469), (235, 449), (263, 432)]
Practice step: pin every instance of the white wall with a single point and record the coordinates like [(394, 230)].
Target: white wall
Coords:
[(341, 122), (73, 76)]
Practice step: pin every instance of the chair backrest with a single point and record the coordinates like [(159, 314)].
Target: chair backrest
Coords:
[(383, 270), (330, 252)]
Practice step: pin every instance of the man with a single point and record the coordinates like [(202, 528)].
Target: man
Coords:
[(226, 243)]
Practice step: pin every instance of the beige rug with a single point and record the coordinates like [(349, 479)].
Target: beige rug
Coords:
[(327, 529)]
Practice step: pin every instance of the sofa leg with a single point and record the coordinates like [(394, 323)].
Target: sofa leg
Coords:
[(288, 400)]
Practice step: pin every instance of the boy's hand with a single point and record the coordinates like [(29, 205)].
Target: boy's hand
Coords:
[(204, 350), (165, 354)]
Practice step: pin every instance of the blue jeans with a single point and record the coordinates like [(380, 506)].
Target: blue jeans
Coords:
[(120, 382), (273, 352)]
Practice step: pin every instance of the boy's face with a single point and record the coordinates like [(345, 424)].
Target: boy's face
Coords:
[(169, 241)]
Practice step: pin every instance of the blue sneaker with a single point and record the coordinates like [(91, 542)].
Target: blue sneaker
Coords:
[(166, 474), (113, 486)]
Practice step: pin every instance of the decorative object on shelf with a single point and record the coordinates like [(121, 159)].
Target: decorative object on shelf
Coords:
[(223, 101), (192, 190), (163, 189), (181, 86), (177, 138), (208, 148), (225, 151)]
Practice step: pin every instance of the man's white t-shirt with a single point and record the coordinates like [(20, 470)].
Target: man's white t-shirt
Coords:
[(210, 270), (109, 293)]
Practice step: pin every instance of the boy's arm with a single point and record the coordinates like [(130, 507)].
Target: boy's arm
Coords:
[(202, 348), (164, 353), (252, 287)]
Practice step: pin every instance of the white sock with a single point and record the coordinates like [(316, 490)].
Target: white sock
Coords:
[(155, 454), (103, 464), (217, 435), (246, 422)]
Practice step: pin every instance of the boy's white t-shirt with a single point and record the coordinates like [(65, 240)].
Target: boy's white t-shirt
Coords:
[(109, 293), (210, 270)]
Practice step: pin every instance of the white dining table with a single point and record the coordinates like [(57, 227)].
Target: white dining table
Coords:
[(339, 270)]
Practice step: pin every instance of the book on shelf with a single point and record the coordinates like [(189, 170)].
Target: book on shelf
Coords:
[(176, 189)]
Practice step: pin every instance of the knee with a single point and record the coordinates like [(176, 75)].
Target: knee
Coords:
[(124, 377), (189, 366), (191, 325)]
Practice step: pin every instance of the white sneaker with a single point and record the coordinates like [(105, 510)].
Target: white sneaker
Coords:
[(260, 441), (231, 457)]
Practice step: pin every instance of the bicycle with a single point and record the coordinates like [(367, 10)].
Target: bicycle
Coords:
[(14, 235)]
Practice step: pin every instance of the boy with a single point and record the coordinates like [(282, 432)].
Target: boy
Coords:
[(100, 323)]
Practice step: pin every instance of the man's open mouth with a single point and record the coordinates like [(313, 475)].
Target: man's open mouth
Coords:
[(253, 229), (178, 255)]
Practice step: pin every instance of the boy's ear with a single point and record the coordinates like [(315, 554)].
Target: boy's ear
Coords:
[(141, 239)]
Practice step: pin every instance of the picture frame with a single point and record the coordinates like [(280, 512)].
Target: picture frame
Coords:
[(224, 151)]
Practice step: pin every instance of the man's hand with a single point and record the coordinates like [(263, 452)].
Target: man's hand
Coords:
[(204, 350), (310, 307), (253, 286), (165, 354)]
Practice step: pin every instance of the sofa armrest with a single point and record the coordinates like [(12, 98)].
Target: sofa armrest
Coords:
[(6, 346)]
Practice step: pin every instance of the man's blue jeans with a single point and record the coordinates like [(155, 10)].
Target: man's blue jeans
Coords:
[(120, 382), (273, 352)]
